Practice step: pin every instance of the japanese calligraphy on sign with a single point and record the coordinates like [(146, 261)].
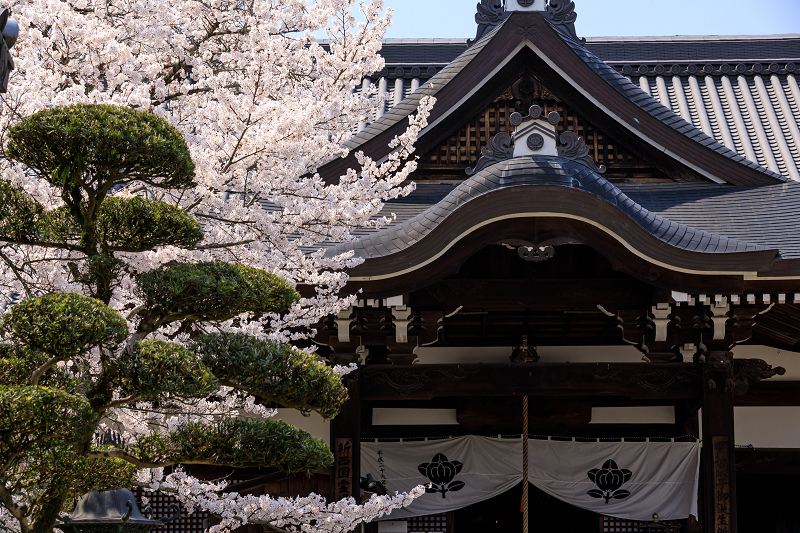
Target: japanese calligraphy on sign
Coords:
[(722, 485), (343, 468)]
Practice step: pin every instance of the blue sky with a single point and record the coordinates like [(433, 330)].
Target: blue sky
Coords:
[(456, 18)]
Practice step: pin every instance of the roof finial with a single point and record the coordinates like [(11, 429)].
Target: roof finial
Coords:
[(490, 14), (560, 13), (526, 5)]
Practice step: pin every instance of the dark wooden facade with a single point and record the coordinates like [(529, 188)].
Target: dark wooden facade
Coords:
[(464, 283)]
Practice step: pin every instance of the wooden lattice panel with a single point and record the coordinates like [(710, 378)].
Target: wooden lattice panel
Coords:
[(197, 522), (428, 524), (609, 524), (463, 148)]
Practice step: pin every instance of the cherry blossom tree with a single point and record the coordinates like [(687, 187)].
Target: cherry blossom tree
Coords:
[(261, 103)]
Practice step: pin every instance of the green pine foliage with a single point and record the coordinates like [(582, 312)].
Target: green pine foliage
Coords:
[(65, 325), (274, 372), (40, 418), (19, 215), (67, 359), (213, 291), (241, 443), (156, 369), (138, 225), (123, 225), (97, 147), (17, 365)]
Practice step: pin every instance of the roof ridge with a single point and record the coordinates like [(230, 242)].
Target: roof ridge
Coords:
[(673, 38)]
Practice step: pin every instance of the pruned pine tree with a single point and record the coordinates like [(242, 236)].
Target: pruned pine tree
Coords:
[(164, 375)]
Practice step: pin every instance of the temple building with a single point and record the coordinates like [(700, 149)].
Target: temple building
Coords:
[(605, 230), (595, 286)]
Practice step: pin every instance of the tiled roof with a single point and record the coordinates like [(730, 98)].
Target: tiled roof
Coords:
[(763, 215), (404, 104), (656, 108), (527, 171), (740, 91), (766, 215)]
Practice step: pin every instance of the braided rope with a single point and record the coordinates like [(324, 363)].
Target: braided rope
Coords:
[(524, 464)]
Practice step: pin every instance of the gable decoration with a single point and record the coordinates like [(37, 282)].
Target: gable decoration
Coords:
[(629, 480)]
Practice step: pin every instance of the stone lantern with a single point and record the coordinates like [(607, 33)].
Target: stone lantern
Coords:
[(114, 511)]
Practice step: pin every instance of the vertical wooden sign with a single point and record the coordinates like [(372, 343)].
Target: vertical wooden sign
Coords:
[(343, 468), (722, 485)]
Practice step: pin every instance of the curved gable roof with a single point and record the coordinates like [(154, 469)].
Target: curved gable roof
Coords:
[(690, 148), (516, 188)]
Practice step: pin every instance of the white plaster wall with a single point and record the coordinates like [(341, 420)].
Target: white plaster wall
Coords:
[(314, 423), (413, 417), (393, 526), (767, 427), (633, 415), (548, 354)]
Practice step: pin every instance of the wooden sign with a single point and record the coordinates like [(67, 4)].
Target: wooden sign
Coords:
[(722, 485), (343, 468)]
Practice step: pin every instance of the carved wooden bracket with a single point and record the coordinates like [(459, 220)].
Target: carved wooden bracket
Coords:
[(656, 381), (663, 332), (750, 371), (399, 329), (526, 91)]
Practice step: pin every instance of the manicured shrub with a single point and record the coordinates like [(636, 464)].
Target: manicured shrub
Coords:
[(274, 372), (65, 324), (96, 147), (213, 291)]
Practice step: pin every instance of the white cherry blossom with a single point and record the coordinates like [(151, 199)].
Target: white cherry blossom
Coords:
[(263, 102)]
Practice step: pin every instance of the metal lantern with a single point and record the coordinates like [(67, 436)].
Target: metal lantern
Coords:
[(114, 511), (658, 527), (9, 29), (370, 484)]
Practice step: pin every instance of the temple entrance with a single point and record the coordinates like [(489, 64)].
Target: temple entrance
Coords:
[(502, 514)]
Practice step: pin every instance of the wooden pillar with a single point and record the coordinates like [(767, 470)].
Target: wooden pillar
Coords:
[(687, 423), (346, 443), (719, 458)]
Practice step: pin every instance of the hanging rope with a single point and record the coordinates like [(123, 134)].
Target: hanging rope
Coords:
[(524, 464)]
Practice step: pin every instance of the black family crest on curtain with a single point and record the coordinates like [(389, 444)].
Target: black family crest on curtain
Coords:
[(441, 473), (656, 476), (609, 479)]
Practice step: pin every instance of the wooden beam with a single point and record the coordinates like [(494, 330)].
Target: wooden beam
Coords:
[(668, 381), (767, 461), (480, 415), (771, 394), (243, 486), (611, 293)]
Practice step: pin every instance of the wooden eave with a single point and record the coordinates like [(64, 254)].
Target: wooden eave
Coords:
[(563, 213), (528, 41)]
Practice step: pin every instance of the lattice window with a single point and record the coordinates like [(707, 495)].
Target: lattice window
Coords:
[(429, 524), (197, 522), (463, 148), (609, 524)]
